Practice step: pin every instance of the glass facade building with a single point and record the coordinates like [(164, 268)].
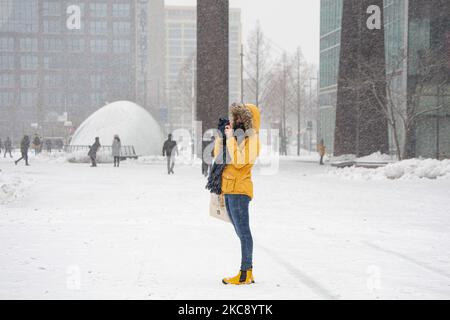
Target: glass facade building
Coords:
[(50, 65), (411, 28), (428, 86), (330, 39)]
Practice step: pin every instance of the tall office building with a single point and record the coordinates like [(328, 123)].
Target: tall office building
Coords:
[(361, 126), (60, 56), (412, 27), (181, 42), (150, 55)]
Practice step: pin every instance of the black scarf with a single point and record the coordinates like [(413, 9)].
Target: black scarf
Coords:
[(220, 162)]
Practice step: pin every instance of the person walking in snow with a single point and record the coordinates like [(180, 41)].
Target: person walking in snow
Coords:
[(36, 144), (321, 149), (169, 150), (116, 148), (1, 145), (93, 152), (212, 141), (242, 149), (8, 147), (48, 145), (24, 146), (205, 165)]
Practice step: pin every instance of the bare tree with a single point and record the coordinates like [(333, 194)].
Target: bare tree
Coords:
[(400, 106), (284, 94), (431, 77), (258, 64)]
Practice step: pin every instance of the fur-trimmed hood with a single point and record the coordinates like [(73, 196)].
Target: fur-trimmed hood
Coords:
[(249, 114)]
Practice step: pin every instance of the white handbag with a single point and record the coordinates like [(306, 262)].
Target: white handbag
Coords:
[(217, 208)]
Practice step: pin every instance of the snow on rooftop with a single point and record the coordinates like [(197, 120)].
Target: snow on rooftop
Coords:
[(135, 126)]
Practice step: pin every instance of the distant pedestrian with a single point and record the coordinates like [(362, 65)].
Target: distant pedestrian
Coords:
[(93, 152), (205, 144), (48, 145), (212, 142), (169, 150), (116, 148), (321, 149), (8, 147), (37, 144), (24, 146), (1, 145)]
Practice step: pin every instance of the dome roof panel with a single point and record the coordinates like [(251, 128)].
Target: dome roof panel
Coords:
[(135, 126)]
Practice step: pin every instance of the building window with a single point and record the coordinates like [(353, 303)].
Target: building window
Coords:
[(98, 99), (51, 8), (6, 80), (28, 44), (99, 46), (28, 62), (6, 44), (121, 46), (98, 10), (6, 98), (52, 26), (75, 45), (174, 33), (28, 81), (6, 62), (46, 63), (121, 10), (52, 80), (97, 82), (53, 99), (121, 27), (52, 44), (191, 33), (175, 51), (22, 18), (98, 27), (28, 99)]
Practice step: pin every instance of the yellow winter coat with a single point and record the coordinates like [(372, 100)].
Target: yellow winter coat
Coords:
[(321, 149), (237, 175)]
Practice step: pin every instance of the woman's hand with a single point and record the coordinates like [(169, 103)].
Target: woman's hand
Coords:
[(228, 131)]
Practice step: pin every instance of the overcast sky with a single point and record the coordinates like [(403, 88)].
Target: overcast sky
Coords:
[(288, 23)]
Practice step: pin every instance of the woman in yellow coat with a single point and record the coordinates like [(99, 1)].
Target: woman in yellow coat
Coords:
[(242, 145), (321, 150)]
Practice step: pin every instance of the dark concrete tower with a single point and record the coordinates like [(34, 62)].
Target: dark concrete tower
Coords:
[(212, 61), (361, 127)]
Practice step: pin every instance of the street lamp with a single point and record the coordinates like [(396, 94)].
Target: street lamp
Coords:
[(310, 123)]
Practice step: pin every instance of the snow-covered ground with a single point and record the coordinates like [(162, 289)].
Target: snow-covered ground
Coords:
[(134, 232)]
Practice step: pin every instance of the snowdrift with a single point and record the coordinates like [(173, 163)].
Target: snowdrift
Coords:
[(407, 169), (12, 187), (103, 156), (53, 157)]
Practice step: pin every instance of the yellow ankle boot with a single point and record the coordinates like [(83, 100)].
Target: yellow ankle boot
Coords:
[(244, 277)]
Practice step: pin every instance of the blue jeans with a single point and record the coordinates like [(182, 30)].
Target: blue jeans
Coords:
[(237, 207)]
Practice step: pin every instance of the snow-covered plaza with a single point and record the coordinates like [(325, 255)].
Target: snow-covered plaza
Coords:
[(71, 231)]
